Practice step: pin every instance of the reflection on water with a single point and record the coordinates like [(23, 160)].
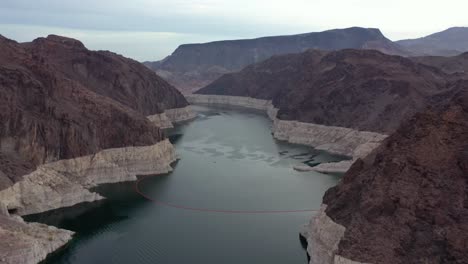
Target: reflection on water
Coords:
[(229, 161)]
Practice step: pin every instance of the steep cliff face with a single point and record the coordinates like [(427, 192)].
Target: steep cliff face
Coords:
[(108, 74), (61, 101), (46, 116), (193, 66), (71, 119), (450, 42), (359, 89), (406, 203)]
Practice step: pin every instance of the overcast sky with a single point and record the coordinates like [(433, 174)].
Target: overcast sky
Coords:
[(152, 29)]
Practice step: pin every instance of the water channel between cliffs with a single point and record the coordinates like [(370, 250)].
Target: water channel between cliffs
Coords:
[(229, 163)]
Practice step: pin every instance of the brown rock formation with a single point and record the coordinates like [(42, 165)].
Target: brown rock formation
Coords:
[(407, 203), (59, 100), (193, 66), (359, 89)]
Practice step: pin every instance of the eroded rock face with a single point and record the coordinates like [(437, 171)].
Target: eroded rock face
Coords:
[(52, 109), (358, 89), (193, 66), (71, 119), (108, 74), (406, 203), (66, 182), (28, 243)]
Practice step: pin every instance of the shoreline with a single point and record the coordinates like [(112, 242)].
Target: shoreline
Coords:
[(65, 183), (322, 234), (336, 140)]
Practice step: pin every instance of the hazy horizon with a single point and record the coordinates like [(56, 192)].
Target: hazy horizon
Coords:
[(151, 30)]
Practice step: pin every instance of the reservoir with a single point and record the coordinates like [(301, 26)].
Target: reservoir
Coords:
[(233, 197)]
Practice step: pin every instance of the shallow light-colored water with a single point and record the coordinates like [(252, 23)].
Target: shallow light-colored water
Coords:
[(229, 162)]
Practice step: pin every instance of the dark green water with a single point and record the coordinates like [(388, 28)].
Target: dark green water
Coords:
[(229, 161)]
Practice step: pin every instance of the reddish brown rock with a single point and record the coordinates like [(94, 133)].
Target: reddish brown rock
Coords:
[(359, 89), (59, 100), (407, 203)]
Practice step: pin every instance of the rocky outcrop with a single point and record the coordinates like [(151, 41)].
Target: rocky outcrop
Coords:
[(193, 66), (28, 243), (66, 182), (405, 203), (337, 140), (450, 42)]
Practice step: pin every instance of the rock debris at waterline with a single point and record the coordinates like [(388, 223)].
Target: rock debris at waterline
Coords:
[(336, 140), (171, 116), (323, 236), (67, 182)]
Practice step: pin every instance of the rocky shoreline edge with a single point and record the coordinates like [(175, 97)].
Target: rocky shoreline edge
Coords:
[(337, 140), (65, 183)]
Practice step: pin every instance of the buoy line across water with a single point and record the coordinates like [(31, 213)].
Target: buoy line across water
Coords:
[(197, 209)]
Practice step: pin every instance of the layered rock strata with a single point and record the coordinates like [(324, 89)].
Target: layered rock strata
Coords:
[(172, 116), (66, 182), (28, 243), (337, 140)]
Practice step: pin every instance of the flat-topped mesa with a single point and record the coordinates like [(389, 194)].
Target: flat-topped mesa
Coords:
[(192, 66), (406, 202)]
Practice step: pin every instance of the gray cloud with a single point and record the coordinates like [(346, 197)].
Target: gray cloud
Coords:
[(206, 20)]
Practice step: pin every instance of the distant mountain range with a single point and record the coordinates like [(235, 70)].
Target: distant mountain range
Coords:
[(450, 42), (193, 66)]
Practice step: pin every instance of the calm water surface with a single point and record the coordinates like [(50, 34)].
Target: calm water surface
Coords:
[(229, 161)]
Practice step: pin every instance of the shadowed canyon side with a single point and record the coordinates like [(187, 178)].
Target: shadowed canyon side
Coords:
[(359, 93), (405, 203), (450, 42), (193, 66), (66, 126)]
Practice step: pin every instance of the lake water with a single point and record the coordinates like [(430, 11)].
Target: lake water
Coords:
[(229, 163)]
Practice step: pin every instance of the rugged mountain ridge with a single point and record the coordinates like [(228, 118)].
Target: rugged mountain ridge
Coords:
[(450, 42), (58, 102), (124, 80), (405, 203), (359, 89), (65, 127), (193, 66)]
